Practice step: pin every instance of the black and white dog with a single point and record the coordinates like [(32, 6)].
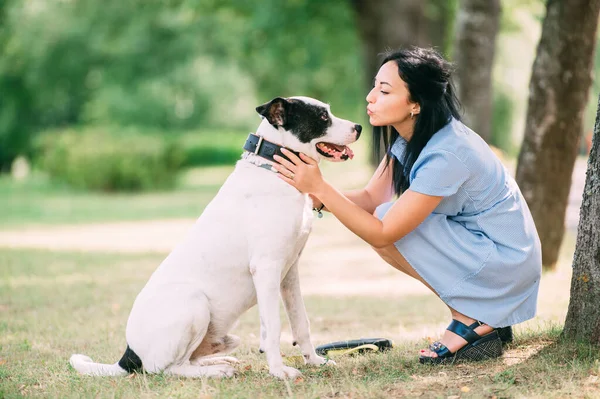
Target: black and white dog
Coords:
[(243, 249)]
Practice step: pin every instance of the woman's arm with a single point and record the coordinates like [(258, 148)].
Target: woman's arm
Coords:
[(376, 192), (407, 213)]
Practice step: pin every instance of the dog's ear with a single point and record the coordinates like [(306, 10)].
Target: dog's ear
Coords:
[(275, 111)]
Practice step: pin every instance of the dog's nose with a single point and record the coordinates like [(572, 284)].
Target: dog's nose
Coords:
[(358, 129)]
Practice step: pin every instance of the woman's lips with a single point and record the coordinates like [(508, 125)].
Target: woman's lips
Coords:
[(369, 112)]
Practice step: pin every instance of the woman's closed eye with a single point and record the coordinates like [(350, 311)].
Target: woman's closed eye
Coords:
[(375, 85)]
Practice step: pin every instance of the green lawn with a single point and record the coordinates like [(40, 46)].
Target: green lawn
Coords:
[(53, 304), (38, 201), (56, 304)]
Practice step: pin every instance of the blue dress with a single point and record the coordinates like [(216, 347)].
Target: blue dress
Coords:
[(479, 249)]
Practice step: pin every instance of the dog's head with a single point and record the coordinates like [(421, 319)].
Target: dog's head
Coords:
[(307, 125)]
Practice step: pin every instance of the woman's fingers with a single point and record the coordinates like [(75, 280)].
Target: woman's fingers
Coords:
[(285, 163), (282, 170), (292, 157), (285, 178), (307, 159)]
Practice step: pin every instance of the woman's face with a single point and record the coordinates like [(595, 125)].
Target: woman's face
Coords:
[(389, 100)]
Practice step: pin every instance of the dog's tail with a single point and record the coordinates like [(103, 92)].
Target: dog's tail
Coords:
[(129, 363)]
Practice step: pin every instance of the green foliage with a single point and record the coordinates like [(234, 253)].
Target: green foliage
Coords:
[(171, 66), (110, 159), (511, 8), (306, 47), (214, 147)]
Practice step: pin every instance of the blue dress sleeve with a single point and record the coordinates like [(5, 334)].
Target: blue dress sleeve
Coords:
[(438, 173)]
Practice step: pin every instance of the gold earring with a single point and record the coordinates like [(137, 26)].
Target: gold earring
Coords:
[(411, 115)]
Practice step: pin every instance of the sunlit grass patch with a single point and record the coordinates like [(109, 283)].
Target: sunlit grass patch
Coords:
[(55, 304)]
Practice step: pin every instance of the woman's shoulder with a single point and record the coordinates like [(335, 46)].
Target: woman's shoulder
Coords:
[(458, 139)]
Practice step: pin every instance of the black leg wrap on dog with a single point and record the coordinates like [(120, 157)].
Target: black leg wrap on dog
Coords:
[(130, 362)]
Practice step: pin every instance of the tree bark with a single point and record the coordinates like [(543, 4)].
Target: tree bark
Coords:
[(477, 26), (558, 92), (583, 317)]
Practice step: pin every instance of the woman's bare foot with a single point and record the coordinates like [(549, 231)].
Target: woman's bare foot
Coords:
[(454, 342)]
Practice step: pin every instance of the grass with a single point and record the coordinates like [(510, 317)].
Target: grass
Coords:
[(53, 304), (39, 201)]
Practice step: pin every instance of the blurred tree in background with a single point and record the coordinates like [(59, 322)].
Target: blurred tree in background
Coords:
[(559, 89), (477, 25)]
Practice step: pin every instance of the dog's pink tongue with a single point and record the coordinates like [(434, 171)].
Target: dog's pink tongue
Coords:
[(343, 150), (349, 152)]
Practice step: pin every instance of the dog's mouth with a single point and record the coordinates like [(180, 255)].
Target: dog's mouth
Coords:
[(334, 152)]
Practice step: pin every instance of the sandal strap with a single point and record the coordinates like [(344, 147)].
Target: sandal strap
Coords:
[(465, 332), (441, 349), (476, 324)]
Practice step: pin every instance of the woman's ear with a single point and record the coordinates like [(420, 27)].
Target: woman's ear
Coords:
[(416, 109)]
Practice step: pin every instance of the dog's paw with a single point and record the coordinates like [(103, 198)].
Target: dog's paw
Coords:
[(77, 358), (319, 360), (285, 372), (209, 361), (219, 371)]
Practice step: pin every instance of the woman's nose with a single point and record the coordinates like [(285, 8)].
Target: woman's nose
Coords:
[(370, 96)]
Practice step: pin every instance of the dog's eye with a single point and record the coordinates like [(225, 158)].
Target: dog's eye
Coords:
[(325, 116)]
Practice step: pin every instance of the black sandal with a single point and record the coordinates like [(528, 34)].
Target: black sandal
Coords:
[(477, 348), (505, 333)]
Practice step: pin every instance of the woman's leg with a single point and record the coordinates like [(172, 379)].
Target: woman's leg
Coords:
[(452, 341)]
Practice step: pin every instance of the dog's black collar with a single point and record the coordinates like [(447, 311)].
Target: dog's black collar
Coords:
[(263, 148)]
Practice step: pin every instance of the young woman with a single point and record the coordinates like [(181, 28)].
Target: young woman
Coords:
[(460, 224)]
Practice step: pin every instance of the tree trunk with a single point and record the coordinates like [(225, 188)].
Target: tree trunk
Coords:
[(440, 17), (558, 92), (477, 26), (388, 24), (583, 317)]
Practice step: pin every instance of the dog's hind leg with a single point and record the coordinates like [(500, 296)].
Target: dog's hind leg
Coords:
[(212, 346), (267, 278), (296, 311), (167, 341)]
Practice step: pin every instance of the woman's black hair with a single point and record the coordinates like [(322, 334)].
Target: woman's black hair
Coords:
[(428, 78)]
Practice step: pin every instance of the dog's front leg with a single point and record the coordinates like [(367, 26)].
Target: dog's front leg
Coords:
[(267, 279), (296, 311)]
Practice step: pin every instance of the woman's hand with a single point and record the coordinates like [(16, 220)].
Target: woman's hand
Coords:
[(302, 173)]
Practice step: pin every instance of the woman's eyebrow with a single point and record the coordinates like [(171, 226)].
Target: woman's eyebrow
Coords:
[(383, 83)]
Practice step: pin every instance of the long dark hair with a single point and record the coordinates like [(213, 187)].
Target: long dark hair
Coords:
[(428, 78)]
